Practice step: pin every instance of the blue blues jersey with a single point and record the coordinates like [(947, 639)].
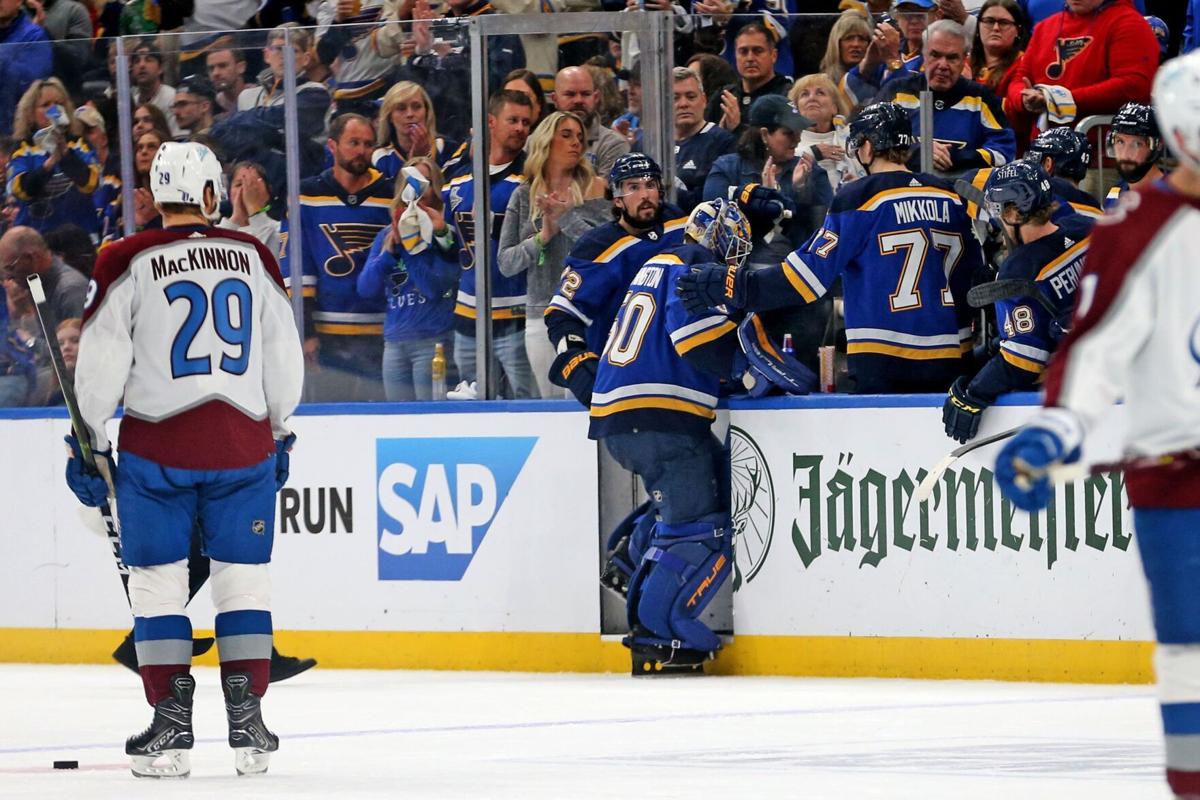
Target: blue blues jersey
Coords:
[(1071, 199), (50, 199), (1114, 194), (646, 378), (967, 118), (774, 15), (338, 229), (597, 272), (419, 290), (387, 159), (902, 244), (860, 88), (104, 200), (1028, 330), (508, 293)]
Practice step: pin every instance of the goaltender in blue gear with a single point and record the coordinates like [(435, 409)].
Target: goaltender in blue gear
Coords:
[(653, 406)]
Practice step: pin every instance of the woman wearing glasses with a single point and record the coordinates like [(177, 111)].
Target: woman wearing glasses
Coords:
[(1000, 39)]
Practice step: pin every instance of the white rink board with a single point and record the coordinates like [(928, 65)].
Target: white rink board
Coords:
[(862, 581), (533, 571)]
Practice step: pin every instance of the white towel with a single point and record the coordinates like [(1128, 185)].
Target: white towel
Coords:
[(414, 226)]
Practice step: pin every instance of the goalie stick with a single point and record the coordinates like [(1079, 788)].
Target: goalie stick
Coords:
[(925, 488), (112, 532)]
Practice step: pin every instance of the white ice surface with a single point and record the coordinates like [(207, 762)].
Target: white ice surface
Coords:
[(477, 736)]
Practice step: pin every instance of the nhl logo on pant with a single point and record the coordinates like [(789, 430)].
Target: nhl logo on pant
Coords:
[(258, 526)]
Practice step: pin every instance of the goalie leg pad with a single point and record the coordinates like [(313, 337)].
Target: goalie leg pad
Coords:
[(626, 545), (680, 573)]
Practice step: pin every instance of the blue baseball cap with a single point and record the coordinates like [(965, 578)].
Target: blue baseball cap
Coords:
[(928, 5)]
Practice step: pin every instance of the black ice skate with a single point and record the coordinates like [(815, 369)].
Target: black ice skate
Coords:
[(252, 743), (658, 658), (163, 749)]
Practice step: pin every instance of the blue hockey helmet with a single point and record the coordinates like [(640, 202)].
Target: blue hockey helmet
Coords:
[(1136, 119), (1022, 184), (767, 365), (1070, 151), (721, 226), (632, 165), (884, 125)]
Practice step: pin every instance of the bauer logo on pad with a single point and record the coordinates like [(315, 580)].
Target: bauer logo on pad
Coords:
[(437, 499)]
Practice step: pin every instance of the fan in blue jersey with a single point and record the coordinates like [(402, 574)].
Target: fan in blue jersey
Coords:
[(1048, 258), (600, 266), (1136, 144), (510, 116), (902, 244), (654, 403), (341, 212)]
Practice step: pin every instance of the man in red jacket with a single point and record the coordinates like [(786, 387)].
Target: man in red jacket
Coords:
[(1102, 51)]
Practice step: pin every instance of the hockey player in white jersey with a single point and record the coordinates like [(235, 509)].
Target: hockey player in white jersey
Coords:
[(1136, 336), (191, 326)]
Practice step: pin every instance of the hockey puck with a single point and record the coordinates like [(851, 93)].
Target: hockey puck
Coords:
[(66, 765)]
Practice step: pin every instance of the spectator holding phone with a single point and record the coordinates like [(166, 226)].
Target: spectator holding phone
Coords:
[(53, 172)]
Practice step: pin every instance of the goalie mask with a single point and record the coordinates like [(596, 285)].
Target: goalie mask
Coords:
[(190, 174), (720, 226)]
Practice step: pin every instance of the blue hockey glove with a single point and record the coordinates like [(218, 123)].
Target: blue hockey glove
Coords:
[(575, 369), (962, 412), (759, 201), (283, 461), (85, 481), (711, 285), (1022, 468)]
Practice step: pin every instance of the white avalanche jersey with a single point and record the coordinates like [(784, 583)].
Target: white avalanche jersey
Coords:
[(1136, 335), (192, 326)]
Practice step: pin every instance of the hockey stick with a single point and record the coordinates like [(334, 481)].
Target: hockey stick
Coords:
[(985, 294), (1065, 473), (46, 321), (925, 488), (112, 531)]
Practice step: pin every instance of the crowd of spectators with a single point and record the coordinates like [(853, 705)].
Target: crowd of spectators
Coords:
[(761, 95)]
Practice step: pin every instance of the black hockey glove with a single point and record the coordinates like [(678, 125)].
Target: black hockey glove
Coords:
[(962, 412), (575, 369), (712, 285)]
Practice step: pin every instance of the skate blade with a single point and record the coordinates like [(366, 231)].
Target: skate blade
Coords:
[(251, 760), (167, 764)]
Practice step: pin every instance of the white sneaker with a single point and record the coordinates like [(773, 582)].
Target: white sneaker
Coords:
[(464, 391)]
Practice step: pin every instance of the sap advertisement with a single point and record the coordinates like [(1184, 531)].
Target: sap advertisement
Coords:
[(389, 522)]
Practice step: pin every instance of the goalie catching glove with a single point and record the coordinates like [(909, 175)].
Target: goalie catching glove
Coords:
[(574, 368), (85, 480)]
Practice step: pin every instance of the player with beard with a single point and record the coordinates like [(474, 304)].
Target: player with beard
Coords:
[(341, 210), (601, 265), (1135, 143)]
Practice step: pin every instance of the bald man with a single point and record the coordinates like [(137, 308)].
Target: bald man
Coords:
[(575, 91), (24, 252)]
